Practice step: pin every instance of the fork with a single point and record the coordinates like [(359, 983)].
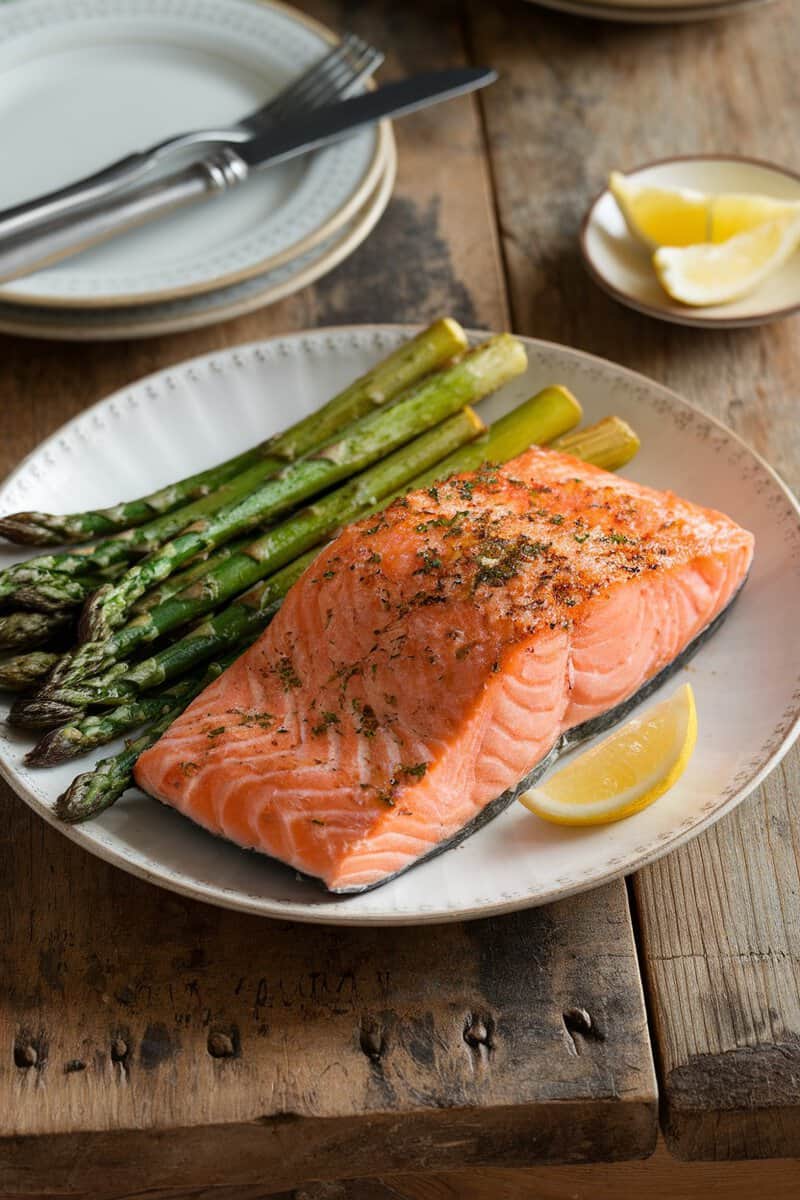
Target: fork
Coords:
[(334, 76)]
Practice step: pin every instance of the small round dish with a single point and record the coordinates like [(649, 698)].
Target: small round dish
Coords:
[(622, 267)]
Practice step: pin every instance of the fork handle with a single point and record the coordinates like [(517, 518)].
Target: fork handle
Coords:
[(33, 248)]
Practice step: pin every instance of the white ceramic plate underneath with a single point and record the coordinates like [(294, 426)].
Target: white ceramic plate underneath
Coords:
[(746, 678), (647, 14), (622, 266), (193, 312), (83, 82)]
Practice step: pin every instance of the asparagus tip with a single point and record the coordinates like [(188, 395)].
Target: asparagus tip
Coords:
[(52, 749), (22, 529), (34, 712), (92, 625)]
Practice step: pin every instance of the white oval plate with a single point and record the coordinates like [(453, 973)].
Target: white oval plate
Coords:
[(209, 308), (747, 678), (84, 81), (662, 13), (621, 266)]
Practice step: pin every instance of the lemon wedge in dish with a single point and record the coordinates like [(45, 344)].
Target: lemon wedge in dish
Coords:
[(661, 216), (625, 772), (712, 273), (683, 217)]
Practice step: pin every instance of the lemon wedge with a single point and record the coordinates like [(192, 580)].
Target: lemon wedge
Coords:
[(716, 274), (624, 773), (732, 214), (683, 217), (661, 216)]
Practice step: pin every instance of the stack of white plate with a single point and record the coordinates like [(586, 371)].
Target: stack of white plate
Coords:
[(86, 81), (652, 12)]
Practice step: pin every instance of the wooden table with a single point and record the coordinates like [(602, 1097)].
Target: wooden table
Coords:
[(154, 1045)]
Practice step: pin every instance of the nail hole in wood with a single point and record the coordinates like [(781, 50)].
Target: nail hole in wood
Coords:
[(577, 1020), (479, 1032), (119, 1050), (222, 1045), (26, 1055), (371, 1040)]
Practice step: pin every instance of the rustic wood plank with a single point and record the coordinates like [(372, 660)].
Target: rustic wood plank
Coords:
[(660, 1177), (720, 920), (152, 1042)]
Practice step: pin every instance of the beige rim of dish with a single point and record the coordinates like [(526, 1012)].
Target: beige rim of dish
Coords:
[(663, 14), (383, 143), (226, 309)]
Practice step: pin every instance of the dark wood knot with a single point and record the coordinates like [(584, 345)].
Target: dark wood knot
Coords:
[(74, 1064)]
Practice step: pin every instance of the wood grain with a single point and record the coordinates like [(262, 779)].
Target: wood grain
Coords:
[(720, 919), (660, 1177), (149, 1042)]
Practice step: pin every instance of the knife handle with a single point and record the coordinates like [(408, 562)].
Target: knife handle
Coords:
[(29, 250), (59, 203)]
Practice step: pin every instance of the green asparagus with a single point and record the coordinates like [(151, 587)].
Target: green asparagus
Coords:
[(477, 374), (404, 367), (95, 790), (27, 630), (17, 674)]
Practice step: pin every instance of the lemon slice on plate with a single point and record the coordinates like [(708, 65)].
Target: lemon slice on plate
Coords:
[(624, 773), (683, 217), (716, 274)]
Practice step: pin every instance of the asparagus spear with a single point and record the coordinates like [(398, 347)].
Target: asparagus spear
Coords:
[(68, 741), (17, 674), (404, 367), (481, 371), (380, 387), (609, 443), (50, 592), (55, 701), (196, 570), (63, 696), (27, 630), (95, 790)]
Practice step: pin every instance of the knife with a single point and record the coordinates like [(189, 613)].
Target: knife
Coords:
[(227, 167)]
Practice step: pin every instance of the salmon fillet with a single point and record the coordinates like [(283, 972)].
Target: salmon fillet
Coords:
[(431, 659)]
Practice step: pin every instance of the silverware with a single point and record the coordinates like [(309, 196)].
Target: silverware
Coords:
[(332, 77), (230, 165)]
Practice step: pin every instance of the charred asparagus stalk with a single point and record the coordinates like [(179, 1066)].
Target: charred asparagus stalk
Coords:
[(27, 630), (401, 369), (98, 789), (482, 371), (19, 673)]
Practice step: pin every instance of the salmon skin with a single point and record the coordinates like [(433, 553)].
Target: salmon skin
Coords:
[(434, 659)]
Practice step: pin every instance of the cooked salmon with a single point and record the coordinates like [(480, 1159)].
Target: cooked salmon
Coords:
[(431, 661)]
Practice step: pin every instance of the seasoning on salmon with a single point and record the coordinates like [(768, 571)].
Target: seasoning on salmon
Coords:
[(432, 658)]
